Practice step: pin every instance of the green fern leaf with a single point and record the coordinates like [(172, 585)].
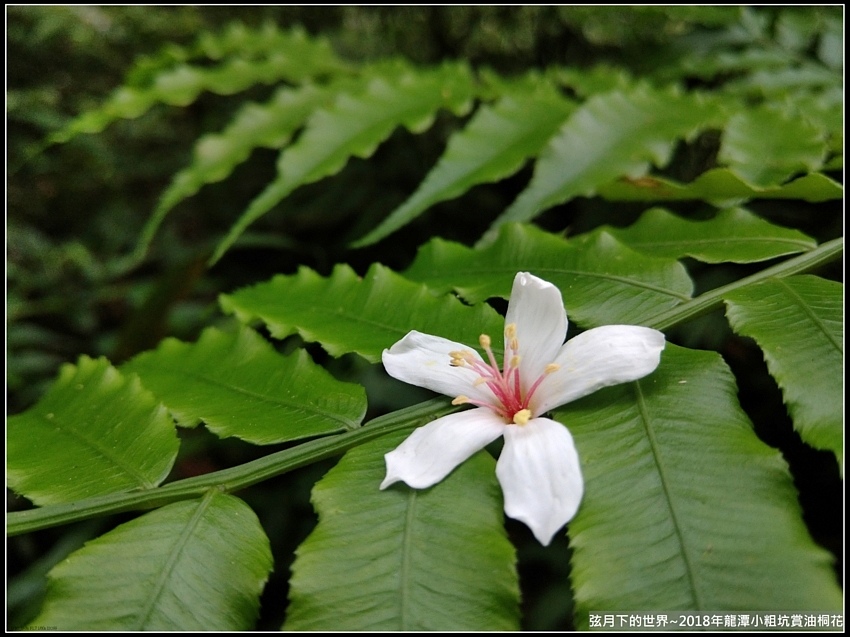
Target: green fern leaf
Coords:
[(831, 42), (765, 147), (734, 234), (442, 561), (797, 321), (190, 566), (355, 125), (777, 84), (94, 432), (762, 58), (602, 78), (684, 507), (711, 62), (269, 125), (825, 111), (720, 185), (602, 281), (495, 144), (258, 42), (294, 57), (348, 314), (239, 386), (236, 39), (611, 135)]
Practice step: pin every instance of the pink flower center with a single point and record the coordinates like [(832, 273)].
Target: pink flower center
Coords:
[(512, 398)]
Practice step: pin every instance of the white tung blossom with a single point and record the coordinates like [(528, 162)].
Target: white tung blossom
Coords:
[(538, 468)]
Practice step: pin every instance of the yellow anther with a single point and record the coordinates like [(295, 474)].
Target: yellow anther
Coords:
[(514, 344), (522, 417), (479, 381), (460, 400), (514, 361), (457, 359), (484, 341), (510, 331), (552, 367)]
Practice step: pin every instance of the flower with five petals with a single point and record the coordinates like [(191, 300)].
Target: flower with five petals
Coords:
[(538, 468)]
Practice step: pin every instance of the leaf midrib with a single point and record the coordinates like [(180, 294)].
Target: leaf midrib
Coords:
[(173, 558), (309, 409), (405, 594), (102, 451), (389, 328), (643, 410), (814, 318), (807, 245), (641, 285)]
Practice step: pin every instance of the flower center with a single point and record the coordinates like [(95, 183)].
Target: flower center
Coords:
[(512, 395)]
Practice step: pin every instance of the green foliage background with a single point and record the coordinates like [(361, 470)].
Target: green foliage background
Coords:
[(79, 283)]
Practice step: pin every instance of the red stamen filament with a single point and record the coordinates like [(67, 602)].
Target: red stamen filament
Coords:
[(505, 383)]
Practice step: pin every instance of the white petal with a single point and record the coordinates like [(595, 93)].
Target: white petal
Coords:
[(600, 357), (431, 452), (540, 476), (537, 310), (423, 360)]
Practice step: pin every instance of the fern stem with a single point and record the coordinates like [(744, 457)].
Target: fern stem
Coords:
[(227, 480)]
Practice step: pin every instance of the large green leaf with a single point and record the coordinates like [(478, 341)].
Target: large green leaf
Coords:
[(348, 314), (601, 280), (611, 135), (797, 321), (355, 125), (190, 566), (239, 386), (685, 508), (94, 432), (495, 144), (721, 185), (734, 234), (403, 559), (765, 147)]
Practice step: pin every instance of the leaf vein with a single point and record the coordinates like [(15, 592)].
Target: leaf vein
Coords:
[(806, 245), (814, 318), (306, 408), (665, 486), (104, 452), (174, 557), (405, 595), (591, 275)]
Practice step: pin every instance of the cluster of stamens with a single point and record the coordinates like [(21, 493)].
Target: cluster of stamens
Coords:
[(505, 383)]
